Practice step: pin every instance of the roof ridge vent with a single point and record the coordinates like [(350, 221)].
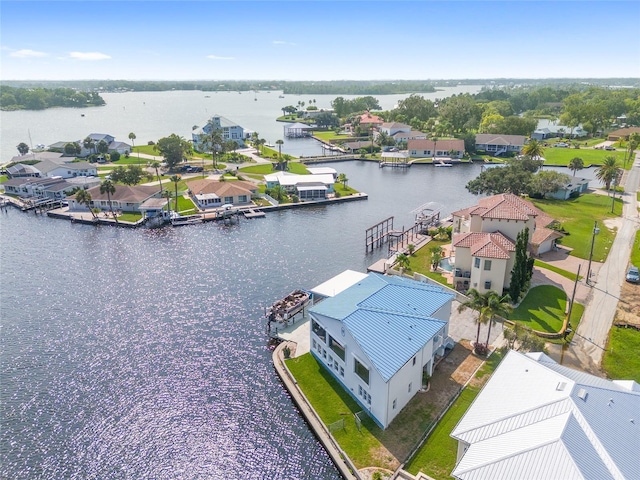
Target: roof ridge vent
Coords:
[(561, 385), (582, 394)]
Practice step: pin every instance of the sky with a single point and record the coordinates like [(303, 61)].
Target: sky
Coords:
[(318, 40)]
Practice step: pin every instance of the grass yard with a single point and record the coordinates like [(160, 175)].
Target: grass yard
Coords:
[(3, 178), (185, 205), (562, 156), (622, 358), (132, 160), (437, 456), (553, 268), (266, 168), (420, 261), (344, 191), (577, 216), (330, 135), (543, 309), (130, 217), (333, 403), (148, 149), (635, 250)]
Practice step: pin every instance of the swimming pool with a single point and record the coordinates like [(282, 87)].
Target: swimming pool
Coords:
[(447, 263)]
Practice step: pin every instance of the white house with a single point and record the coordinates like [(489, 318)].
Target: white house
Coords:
[(214, 193), (536, 419), (307, 187), (484, 240), (497, 145), (228, 129), (378, 336), (50, 169), (391, 128), (126, 198), (436, 148)]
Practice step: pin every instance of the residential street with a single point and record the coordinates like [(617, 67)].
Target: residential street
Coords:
[(590, 340)]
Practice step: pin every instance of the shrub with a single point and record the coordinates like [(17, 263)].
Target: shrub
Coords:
[(115, 156)]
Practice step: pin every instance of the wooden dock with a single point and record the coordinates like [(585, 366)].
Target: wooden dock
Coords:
[(253, 213)]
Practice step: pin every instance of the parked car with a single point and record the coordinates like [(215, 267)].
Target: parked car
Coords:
[(609, 147), (633, 275), (561, 144), (197, 169)]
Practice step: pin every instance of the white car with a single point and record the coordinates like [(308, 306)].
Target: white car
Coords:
[(561, 144), (227, 206)]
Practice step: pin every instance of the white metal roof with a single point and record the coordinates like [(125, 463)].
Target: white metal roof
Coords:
[(337, 284)]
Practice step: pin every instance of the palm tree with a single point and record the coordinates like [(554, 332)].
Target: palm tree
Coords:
[(403, 260), (634, 141), (88, 143), (280, 143), (576, 164), (342, 178), (132, 137), (533, 149), (167, 194), (497, 306), (477, 302), (109, 188), (216, 142), (176, 179), (436, 257), (156, 164), (83, 197), (255, 136), (259, 143), (608, 171)]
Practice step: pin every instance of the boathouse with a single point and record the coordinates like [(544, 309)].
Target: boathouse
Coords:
[(379, 336)]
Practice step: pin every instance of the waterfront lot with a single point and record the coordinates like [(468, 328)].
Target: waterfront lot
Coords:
[(373, 447), (562, 156)]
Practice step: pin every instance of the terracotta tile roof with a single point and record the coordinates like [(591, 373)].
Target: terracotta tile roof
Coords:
[(486, 245), (228, 188), (543, 234), (505, 206), (126, 193), (368, 118), (492, 139)]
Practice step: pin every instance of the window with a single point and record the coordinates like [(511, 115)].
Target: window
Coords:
[(361, 371), (476, 262), (319, 331), (394, 404), (487, 285), (324, 354), (313, 343), (342, 371), (487, 264), (414, 360), (242, 198), (228, 199), (409, 389), (337, 347)]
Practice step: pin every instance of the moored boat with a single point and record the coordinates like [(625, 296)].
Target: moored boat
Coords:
[(284, 309)]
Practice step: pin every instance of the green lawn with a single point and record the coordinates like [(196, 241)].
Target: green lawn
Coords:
[(562, 156), (333, 403), (330, 135), (3, 178), (437, 456), (344, 191), (130, 217), (577, 216), (635, 251), (621, 360), (542, 309), (148, 149), (132, 160), (266, 168), (420, 261), (553, 268)]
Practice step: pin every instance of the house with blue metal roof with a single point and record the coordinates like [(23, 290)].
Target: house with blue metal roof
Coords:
[(228, 131), (536, 419), (378, 336)]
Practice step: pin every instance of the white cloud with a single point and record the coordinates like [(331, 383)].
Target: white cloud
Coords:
[(216, 57), (91, 56), (282, 42), (26, 53)]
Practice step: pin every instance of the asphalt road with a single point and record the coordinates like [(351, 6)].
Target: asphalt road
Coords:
[(590, 340)]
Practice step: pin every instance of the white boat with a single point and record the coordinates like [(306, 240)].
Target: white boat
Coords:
[(181, 220), (443, 164), (284, 309), (280, 96)]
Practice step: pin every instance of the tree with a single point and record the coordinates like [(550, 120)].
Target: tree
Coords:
[(280, 142), (522, 266), (278, 192), (176, 179), (461, 112), (497, 306), (109, 188), (88, 143), (131, 175), (342, 178), (132, 137), (72, 149), (477, 302), (575, 164), (156, 165), (608, 171), (167, 194), (547, 181), (83, 197), (403, 260), (173, 148), (102, 147), (632, 144), (23, 148), (436, 257), (533, 149)]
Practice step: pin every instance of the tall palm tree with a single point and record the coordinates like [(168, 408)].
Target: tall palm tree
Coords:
[(533, 149), (109, 188), (342, 178), (156, 165), (477, 302), (132, 137), (634, 141), (83, 197), (497, 306), (280, 143), (608, 171), (255, 136), (216, 140), (167, 194), (176, 179), (576, 164), (88, 143)]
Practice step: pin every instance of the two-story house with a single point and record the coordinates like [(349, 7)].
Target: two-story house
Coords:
[(228, 130), (379, 336)]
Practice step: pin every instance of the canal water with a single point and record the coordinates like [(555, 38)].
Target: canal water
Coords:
[(143, 353)]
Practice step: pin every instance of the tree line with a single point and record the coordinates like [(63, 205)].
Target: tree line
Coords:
[(40, 98)]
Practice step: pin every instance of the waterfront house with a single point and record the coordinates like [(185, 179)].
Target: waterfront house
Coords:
[(323, 171), (208, 193), (573, 188), (552, 131), (437, 149), (227, 129), (50, 169), (39, 156), (126, 198), (484, 240), (622, 133), (306, 187), (368, 121), (537, 419), (404, 137), (497, 145), (380, 336), (391, 128), (21, 170)]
